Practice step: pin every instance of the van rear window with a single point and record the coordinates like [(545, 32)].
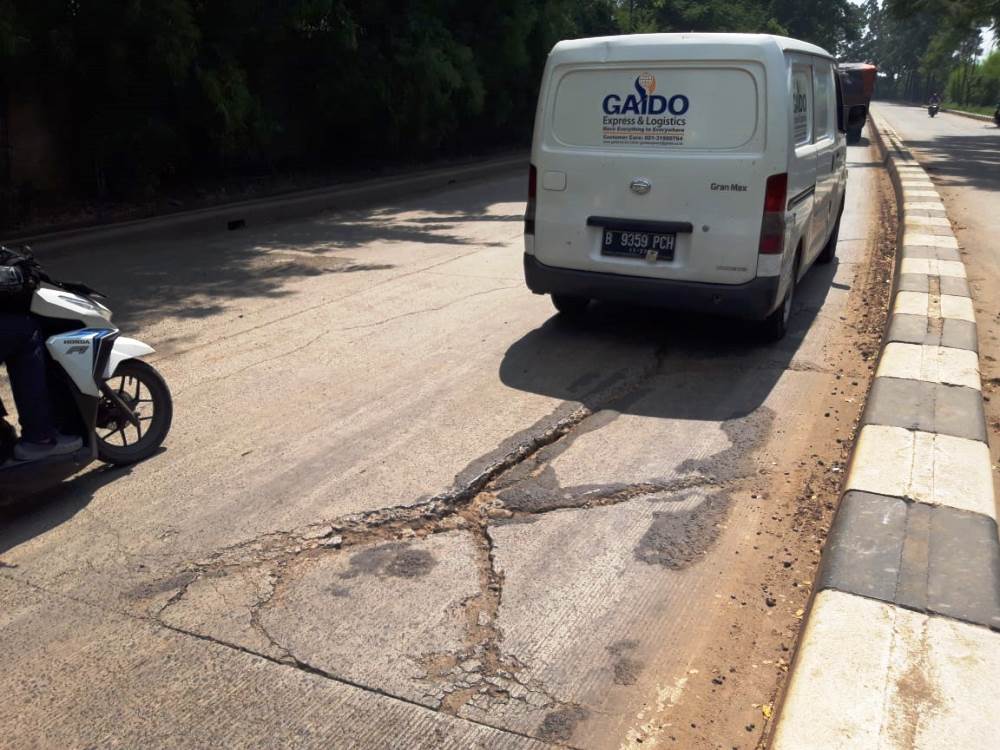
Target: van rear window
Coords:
[(656, 107)]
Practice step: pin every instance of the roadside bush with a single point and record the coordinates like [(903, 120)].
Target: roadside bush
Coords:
[(977, 84)]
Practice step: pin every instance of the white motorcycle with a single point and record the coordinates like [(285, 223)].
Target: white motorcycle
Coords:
[(119, 405)]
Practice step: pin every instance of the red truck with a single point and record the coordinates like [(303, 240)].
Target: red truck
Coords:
[(858, 84)]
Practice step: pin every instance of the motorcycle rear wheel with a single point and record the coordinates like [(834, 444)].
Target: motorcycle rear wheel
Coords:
[(144, 390)]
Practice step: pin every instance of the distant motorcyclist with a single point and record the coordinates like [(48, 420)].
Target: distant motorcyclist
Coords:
[(933, 104), (22, 349)]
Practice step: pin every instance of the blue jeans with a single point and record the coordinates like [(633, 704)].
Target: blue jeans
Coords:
[(23, 349)]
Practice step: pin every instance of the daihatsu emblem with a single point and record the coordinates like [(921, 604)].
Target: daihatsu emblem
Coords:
[(640, 186)]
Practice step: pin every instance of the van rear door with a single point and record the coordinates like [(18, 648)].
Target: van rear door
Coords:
[(668, 154)]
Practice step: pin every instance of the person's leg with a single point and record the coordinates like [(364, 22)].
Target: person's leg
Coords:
[(23, 349)]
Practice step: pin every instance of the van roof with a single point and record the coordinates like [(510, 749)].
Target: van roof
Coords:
[(629, 47)]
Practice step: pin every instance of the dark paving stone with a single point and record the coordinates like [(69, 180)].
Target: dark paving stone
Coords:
[(932, 559), (955, 286), (917, 329), (914, 282), (928, 407)]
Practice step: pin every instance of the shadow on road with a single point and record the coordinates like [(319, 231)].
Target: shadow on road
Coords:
[(960, 161), (710, 369), (29, 517), (189, 277)]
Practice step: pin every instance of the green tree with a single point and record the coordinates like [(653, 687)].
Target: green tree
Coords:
[(142, 93), (989, 70), (963, 14), (832, 24)]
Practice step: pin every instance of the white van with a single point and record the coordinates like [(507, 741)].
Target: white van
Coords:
[(695, 171)]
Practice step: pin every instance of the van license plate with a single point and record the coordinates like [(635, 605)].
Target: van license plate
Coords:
[(627, 244)]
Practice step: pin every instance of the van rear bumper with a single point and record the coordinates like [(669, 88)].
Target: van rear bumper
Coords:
[(754, 300)]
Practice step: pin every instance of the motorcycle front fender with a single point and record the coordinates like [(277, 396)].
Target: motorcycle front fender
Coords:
[(125, 348)]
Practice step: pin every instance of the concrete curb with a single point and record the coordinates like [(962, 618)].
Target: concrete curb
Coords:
[(280, 208), (973, 115), (902, 637)]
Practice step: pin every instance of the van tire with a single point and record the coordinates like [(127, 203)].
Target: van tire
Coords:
[(570, 306), (775, 325), (829, 251)]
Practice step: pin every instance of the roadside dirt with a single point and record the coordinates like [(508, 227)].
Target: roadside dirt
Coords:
[(984, 278), (728, 702)]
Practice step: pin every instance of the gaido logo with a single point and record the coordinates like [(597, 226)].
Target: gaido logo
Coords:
[(644, 101)]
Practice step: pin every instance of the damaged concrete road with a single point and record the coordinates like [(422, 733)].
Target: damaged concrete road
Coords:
[(429, 513)]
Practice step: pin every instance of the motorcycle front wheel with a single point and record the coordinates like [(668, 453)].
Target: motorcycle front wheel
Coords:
[(144, 391)]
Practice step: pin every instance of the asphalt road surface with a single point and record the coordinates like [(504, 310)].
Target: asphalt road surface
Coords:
[(962, 157), (405, 505)]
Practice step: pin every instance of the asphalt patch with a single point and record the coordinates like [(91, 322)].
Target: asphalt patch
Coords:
[(559, 725), (531, 491), (675, 540), (746, 436), (626, 668), (173, 583), (399, 560)]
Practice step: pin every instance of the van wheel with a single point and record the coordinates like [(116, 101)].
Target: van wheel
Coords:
[(829, 251), (775, 326), (570, 306)]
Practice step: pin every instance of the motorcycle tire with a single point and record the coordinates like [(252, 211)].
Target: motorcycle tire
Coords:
[(149, 439)]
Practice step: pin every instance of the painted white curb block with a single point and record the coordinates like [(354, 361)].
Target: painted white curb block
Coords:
[(924, 206), (958, 308), (923, 466), (918, 239), (935, 364), (927, 221), (947, 306), (872, 676), (933, 267)]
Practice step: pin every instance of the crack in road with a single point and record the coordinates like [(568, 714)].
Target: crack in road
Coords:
[(469, 483), (290, 660), (468, 506), (480, 675)]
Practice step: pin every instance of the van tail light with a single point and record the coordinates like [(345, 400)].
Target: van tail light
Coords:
[(529, 211), (772, 230)]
